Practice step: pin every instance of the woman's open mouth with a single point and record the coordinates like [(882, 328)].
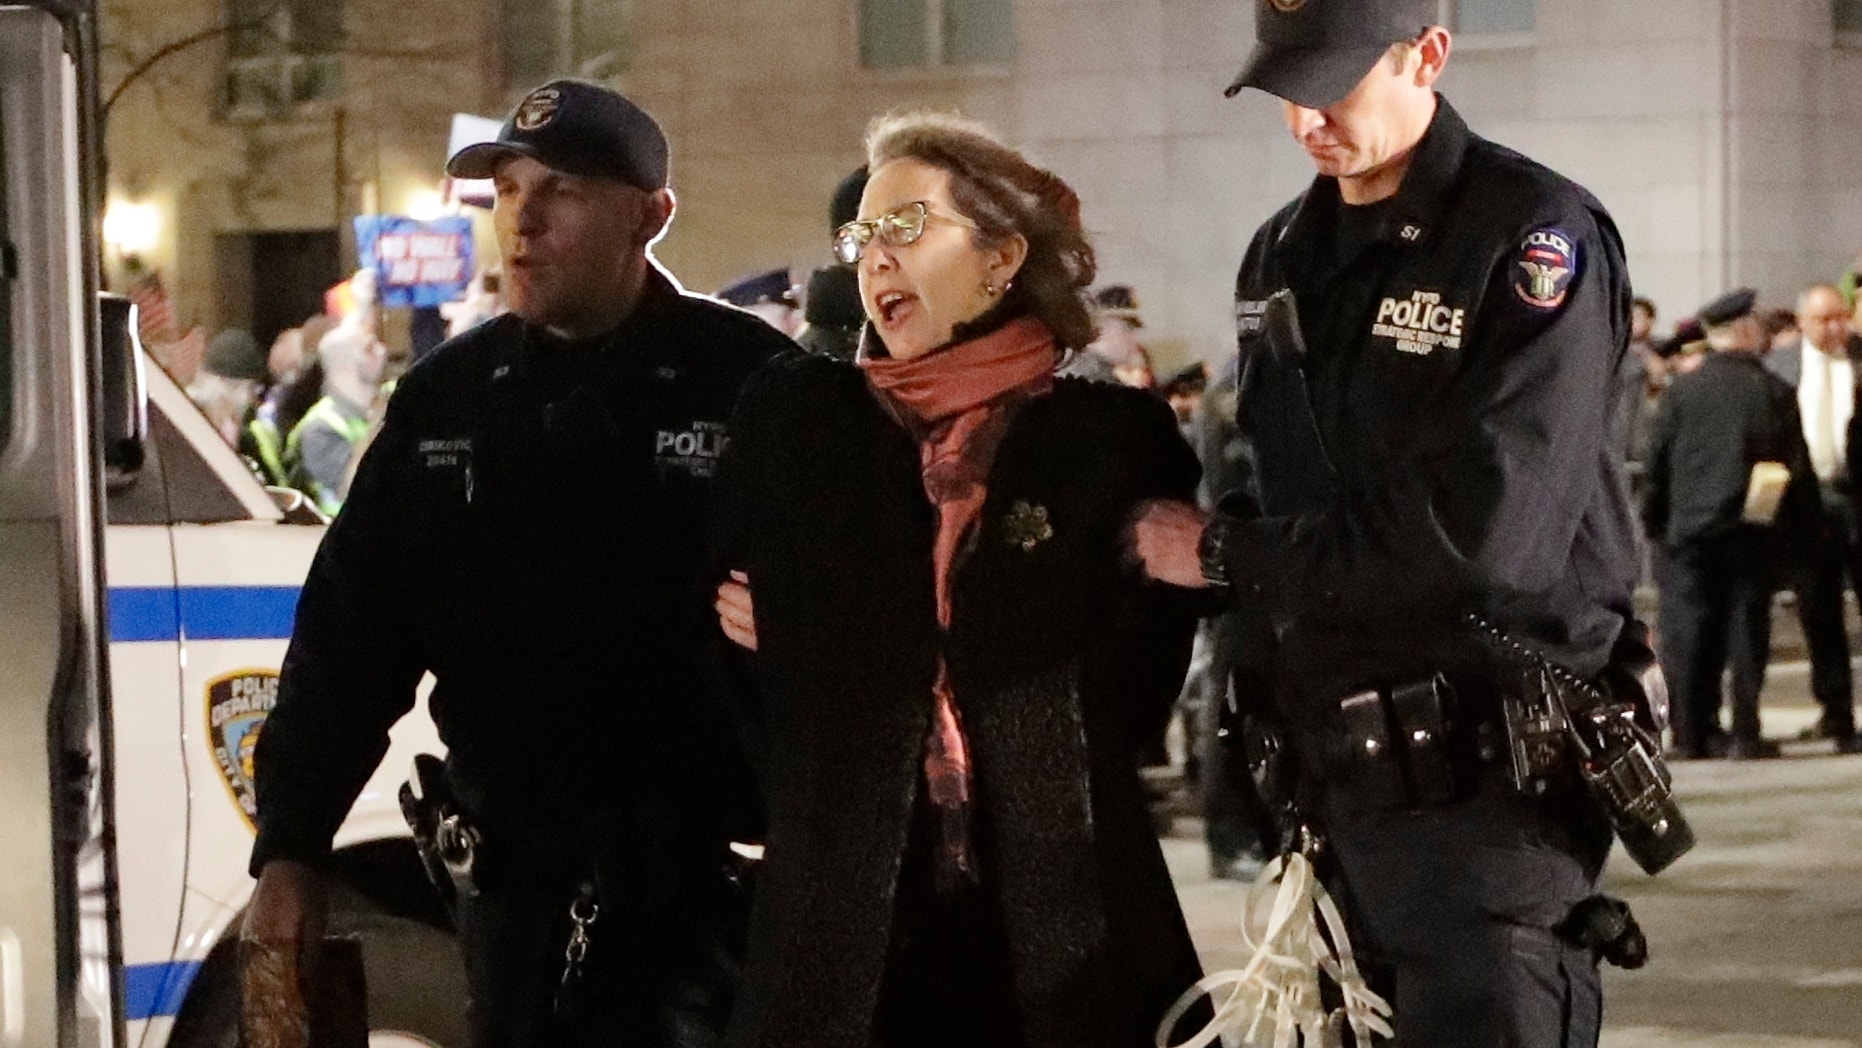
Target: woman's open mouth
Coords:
[(891, 308)]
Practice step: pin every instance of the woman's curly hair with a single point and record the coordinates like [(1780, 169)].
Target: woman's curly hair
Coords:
[(1004, 194)]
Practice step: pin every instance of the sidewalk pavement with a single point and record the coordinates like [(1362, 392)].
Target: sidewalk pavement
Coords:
[(1755, 936)]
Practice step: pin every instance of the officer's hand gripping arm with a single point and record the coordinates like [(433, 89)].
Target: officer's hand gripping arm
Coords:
[(1156, 624)]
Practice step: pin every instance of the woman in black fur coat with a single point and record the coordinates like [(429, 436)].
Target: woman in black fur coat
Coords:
[(953, 665)]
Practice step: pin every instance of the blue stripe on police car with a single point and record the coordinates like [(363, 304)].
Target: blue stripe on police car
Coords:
[(159, 613)]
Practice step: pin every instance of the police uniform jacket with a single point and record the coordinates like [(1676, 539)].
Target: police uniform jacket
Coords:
[(527, 527), (1714, 424), (1228, 461), (1062, 662), (1429, 400)]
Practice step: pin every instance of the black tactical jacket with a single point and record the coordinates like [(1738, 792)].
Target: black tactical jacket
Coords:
[(1714, 424), (1429, 417), (527, 527)]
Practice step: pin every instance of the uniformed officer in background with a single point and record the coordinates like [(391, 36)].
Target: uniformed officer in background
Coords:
[(1429, 338), (1722, 527), (527, 527), (831, 305), (770, 295), (1230, 805)]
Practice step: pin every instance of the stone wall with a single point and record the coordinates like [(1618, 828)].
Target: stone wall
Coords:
[(1720, 133), (1723, 163), (411, 65)]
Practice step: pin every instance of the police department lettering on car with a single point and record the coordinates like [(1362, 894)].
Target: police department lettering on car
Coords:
[(238, 704), (1420, 323), (694, 450)]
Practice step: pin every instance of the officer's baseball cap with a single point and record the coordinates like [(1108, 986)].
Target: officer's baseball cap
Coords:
[(773, 286), (1118, 300), (578, 128), (1314, 52), (845, 206), (1728, 308)]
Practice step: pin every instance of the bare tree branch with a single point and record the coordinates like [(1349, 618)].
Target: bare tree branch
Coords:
[(261, 23), (183, 44)]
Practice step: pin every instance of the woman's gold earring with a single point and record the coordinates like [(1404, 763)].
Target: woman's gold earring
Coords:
[(990, 288)]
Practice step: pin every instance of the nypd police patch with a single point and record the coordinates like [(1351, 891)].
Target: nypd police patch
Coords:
[(1547, 264), (237, 705)]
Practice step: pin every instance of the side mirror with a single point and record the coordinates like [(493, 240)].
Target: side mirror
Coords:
[(125, 421)]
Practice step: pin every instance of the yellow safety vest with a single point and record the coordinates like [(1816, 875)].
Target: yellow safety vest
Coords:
[(352, 430)]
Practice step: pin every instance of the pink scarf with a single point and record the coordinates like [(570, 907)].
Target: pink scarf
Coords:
[(957, 401)]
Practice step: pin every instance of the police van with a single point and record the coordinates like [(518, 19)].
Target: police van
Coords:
[(149, 589)]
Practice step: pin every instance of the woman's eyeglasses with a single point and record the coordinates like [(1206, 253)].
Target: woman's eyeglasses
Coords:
[(896, 228)]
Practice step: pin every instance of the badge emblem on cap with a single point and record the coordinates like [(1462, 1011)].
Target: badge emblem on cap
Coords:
[(1287, 7), (538, 109)]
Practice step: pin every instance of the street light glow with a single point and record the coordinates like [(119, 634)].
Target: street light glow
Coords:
[(425, 205), (132, 228)]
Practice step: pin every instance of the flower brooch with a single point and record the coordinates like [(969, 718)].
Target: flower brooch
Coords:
[(1027, 526)]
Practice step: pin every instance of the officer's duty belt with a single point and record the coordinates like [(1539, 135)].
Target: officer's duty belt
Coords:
[(1413, 745)]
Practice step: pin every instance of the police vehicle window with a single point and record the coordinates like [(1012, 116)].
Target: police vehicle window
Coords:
[(545, 39), (1847, 15), (901, 34), (1493, 16), (195, 494)]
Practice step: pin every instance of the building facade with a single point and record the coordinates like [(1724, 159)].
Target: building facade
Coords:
[(245, 135), (1718, 132)]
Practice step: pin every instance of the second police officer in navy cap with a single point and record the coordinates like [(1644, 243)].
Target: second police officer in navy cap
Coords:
[(1728, 486), (770, 295), (1438, 536), (527, 528)]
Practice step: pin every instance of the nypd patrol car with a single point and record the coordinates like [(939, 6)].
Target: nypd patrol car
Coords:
[(150, 583)]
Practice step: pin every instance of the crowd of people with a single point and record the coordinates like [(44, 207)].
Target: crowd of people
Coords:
[(1736, 430), (300, 412)]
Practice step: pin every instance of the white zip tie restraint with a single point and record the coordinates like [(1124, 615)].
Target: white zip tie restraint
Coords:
[(1278, 989)]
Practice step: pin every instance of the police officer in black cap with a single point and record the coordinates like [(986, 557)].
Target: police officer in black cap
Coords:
[(1728, 486), (1428, 342), (770, 295), (832, 306), (527, 528)]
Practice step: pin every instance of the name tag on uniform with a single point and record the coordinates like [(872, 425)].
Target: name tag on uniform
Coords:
[(449, 457), (1248, 316), (451, 453), (693, 449)]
